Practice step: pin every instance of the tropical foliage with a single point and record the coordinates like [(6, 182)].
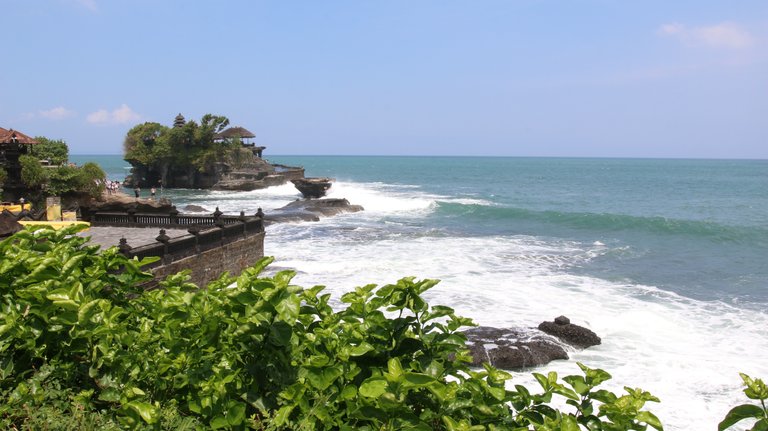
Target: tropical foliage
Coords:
[(33, 175), (83, 346), (61, 180), (56, 152)]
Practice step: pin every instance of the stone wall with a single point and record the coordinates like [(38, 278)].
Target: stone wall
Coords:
[(209, 265)]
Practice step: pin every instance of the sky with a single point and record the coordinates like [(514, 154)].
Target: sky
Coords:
[(564, 78)]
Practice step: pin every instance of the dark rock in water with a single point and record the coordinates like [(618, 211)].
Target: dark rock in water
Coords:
[(313, 188), (8, 224), (512, 348), (575, 335), (194, 209), (310, 210)]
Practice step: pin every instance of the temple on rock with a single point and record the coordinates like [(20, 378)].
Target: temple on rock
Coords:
[(228, 159)]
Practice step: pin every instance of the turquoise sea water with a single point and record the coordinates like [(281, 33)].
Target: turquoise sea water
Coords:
[(667, 260)]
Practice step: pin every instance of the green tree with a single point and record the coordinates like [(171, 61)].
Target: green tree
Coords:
[(89, 179), (55, 151), (139, 144), (33, 175), (3, 176), (93, 179)]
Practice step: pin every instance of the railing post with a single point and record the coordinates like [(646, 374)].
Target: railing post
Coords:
[(260, 216), (195, 231), (217, 218), (131, 215), (163, 238), (243, 219), (174, 214), (124, 248)]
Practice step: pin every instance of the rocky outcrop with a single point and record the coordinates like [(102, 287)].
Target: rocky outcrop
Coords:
[(575, 335), (258, 178), (313, 188), (123, 203), (512, 348), (528, 347), (8, 224), (310, 210)]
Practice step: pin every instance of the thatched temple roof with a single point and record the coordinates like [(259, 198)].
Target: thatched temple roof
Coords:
[(235, 132)]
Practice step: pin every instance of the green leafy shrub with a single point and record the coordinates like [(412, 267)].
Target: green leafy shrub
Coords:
[(754, 389), (80, 339), (89, 179)]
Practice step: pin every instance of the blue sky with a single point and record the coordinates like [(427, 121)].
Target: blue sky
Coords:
[(584, 78)]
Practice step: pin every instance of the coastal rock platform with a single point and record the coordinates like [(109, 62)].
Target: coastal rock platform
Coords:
[(310, 210)]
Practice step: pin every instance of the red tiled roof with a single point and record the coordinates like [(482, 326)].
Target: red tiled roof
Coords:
[(15, 137)]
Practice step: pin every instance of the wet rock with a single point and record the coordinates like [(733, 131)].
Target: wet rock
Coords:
[(194, 209), (313, 188), (512, 348), (310, 210), (575, 335)]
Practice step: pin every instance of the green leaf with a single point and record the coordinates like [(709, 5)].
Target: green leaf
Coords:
[(650, 419), (761, 425), (739, 413), (148, 412), (417, 380), (87, 311), (373, 387), (349, 392), (282, 415), (288, 308), (569, 424), (395, 370), (280, 334), (360, 349), (219, 422), (236, 414), (577, 383), (322, 378)]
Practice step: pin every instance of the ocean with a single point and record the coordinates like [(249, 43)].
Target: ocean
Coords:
[(666, 260)]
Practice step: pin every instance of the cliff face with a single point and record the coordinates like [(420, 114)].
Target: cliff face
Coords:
[(249, 174)]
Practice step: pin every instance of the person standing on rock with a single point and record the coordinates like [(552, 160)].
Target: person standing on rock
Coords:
[(137, 192), (152, 192)]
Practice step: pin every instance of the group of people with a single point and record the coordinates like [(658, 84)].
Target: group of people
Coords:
[(112, 187), (137, 192)]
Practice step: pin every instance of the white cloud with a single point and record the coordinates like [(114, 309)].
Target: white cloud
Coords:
[(122, 115), (727, 35), (57, 113)]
